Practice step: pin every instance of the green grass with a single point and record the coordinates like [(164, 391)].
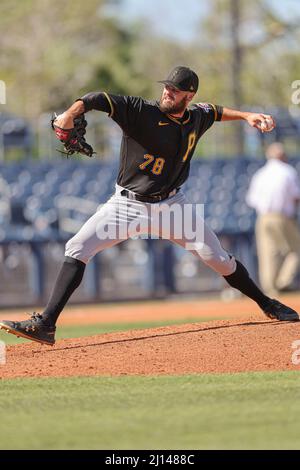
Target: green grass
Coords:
[(75, 331), (238, 411)]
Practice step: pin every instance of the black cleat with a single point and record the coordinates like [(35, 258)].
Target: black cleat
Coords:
[(278, 311), (34, 329)]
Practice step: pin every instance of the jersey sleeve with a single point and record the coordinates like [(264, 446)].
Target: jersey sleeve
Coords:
[(96, 100), (208, 113), (125, 110)]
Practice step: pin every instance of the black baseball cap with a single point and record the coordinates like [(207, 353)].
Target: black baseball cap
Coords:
[(182, 78)]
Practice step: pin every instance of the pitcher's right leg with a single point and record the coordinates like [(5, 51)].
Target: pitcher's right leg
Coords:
[(101, 231)]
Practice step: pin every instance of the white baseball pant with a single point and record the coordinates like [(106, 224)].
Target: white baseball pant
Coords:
[(121, 218)]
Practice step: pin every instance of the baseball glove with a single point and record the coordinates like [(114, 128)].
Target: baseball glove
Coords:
[(73, 139)]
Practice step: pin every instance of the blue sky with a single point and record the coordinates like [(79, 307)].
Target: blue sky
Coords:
[(179, 19)]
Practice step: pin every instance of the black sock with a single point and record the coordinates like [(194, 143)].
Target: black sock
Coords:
[(241, 280), (69, 278)]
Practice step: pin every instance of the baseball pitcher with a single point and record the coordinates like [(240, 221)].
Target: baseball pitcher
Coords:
[(158, 142)]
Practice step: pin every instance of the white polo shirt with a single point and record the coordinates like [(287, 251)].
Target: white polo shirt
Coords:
[(274, 189)]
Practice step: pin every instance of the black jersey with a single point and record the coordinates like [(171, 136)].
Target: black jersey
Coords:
[(156, 148)]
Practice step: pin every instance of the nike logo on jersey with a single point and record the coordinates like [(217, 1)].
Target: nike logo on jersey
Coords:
[(163, 123)]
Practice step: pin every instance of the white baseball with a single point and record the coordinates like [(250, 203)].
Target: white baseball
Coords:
[(267, 125)]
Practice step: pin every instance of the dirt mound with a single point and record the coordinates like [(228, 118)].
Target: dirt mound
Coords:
[(220, 346)]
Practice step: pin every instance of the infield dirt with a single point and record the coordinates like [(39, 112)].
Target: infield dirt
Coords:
[(237, 345)]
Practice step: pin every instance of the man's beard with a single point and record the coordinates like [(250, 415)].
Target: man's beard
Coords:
[(172, 108)]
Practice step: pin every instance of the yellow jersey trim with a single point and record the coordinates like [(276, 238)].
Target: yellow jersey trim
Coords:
[(110, 104), (177, 121), (215, 110)]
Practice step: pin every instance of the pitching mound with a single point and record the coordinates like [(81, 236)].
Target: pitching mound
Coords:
[(220, 346)]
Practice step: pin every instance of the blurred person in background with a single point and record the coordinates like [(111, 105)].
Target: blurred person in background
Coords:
[(274, 192)]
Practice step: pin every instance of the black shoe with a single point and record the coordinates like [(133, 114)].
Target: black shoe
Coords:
[(277, 310), (34, 329)]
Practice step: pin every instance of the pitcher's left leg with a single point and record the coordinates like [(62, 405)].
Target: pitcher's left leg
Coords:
[(210, 251)]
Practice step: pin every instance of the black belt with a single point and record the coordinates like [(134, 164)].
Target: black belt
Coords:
[(139, 197)]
